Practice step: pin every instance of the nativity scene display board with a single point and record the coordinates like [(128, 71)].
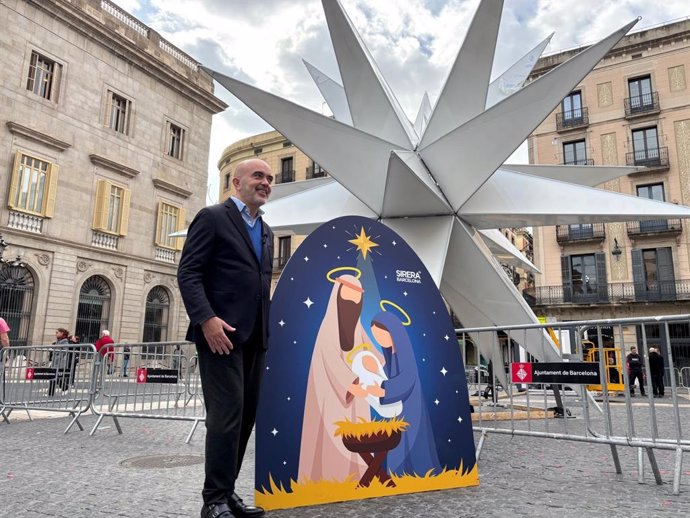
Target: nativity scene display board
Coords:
[(364, 392)]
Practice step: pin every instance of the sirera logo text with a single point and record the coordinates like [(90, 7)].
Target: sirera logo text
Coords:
[(408, 276)]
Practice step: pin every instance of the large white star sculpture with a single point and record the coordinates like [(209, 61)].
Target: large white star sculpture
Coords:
[(441, 183)]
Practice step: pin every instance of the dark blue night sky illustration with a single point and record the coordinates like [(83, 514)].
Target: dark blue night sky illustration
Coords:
[(298, 306)]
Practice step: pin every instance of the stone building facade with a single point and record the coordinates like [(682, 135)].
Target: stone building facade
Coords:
[(632, 109), (104, 138)]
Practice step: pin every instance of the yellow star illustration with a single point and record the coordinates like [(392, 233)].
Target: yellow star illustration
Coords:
[(363, 243)]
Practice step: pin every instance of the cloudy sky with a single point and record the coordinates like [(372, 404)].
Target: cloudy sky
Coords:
[(414, 43)]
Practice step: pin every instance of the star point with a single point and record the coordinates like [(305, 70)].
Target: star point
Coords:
[(363, 243), (307, 302), (444, 371)]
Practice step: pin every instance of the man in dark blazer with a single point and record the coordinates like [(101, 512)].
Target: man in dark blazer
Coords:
[(225, 279)]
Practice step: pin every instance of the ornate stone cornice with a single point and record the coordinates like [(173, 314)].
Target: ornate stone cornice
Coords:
[(171, 188), (113, 166), (24, 131), (87, 17)]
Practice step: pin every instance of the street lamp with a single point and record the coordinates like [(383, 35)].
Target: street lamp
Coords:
[(17, 261)]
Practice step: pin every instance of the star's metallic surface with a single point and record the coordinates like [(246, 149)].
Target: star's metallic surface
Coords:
[(363, 243), (441, 183)]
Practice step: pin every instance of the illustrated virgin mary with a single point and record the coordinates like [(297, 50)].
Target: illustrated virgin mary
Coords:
[(333, 390), (416, 453)]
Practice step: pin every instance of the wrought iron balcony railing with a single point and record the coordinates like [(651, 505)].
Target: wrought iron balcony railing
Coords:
[(280, 262), (570, 119), (655, 158), (315, 171), (579, 233), (582, 161), (642, 104), (610, 293), (285, 177), (655, 226)]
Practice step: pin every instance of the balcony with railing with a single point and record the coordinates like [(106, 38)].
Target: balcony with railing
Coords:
[(315, 171), (572, 119), (654, 227), (285, 176), (644, 104), (611, 293), (280, 262), (652, 158), (581, 161), (580, 233)]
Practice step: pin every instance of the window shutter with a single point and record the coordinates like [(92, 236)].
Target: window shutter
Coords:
[(667, 279), (567, 279), (638, 274), (159, 222), (100, 211), (124, 211), (14, 180), (179, 242), (51, 195)]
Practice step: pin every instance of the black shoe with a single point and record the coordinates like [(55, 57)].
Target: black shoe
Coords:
[(216, 511), (241, 510)]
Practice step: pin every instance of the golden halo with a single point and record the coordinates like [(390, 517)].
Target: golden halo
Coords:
[(358, 272), (385, 303)]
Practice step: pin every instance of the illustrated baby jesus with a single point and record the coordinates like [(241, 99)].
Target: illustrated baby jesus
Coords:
[(368, 367)]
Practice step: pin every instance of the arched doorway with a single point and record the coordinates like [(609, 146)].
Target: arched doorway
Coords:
[(93, 313), (156, 318), (16, 302)]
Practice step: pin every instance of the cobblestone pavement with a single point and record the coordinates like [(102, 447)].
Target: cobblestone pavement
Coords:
[(43, 472)]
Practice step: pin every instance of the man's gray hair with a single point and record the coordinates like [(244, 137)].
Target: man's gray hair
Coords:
[(105, 332)]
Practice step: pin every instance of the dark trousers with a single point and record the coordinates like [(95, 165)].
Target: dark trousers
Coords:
[(633, 376), (231, 393), (658, 384)]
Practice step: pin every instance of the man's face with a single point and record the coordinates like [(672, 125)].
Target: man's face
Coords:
[(252, 183)]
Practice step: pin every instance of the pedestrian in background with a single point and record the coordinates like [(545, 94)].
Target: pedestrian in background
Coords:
[(635, 364), (4, 339), (656, 369), (106, 350), (4, 346), (60, 360), (126, 351)]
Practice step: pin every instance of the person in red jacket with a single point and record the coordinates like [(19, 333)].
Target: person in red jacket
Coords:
[(104, 348)]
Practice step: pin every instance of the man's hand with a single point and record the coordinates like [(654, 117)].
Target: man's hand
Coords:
[(214, 331)]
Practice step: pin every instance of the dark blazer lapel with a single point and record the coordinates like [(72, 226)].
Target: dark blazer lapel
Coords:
[(236, 218), (265, 235)]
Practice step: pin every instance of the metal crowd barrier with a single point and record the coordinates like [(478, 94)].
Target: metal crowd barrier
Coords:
[(55, 378), (611, 418), (148, 381)]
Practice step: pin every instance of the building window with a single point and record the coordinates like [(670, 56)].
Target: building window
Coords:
[(175, 140), (119, 110), (575, 153), (654, 191), (93, 313), (646, 147), (16, 302), (640, 90), (584, 278), (653, 274), (572, 107), (284, 250), (287, 173), (33, 186), (111, 213), (44, 76), (156, 320), (226, 182), (170, 219)]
